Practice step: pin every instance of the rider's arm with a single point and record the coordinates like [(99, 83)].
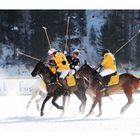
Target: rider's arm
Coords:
[(76, 62), (105, 60)]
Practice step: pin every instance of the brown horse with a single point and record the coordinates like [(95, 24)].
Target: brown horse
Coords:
[(55, 90), (127, 82)]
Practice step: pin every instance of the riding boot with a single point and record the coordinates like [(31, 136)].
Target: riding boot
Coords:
[(103, 81), (64, 84)]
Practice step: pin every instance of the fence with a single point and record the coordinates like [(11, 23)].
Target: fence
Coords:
[(17, 85)]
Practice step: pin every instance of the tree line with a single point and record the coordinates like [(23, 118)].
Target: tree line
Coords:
[(23, 29)]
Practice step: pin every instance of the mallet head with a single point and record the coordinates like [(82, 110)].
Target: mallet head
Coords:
[(44, 28), (17, 52)]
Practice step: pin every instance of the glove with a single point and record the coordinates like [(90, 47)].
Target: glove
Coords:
[(72, 66), (65, 52), (77, 67)]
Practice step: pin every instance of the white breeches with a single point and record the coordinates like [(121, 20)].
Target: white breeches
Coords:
[(64, 73), (106, 72), (72, 71)]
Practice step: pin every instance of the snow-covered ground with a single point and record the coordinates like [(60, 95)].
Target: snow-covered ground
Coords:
[(18, 123)]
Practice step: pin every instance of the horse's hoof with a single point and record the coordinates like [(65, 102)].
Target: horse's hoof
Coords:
[(62, 114), (89, 114), (121, 113), (98, 115), (41, 114), (82, 110), (61, 107)]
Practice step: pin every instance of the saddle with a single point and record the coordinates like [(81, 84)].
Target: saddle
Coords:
[(111, 79), (71, 81)]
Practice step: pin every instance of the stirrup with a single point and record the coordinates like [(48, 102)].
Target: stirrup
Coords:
[(105, 90), (106, 93)]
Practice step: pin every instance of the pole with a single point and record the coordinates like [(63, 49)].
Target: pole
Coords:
[(46, 33), (67, 31), (127, 42), (34, 58)]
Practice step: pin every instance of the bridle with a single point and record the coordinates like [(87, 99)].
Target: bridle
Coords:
[(48, 81)]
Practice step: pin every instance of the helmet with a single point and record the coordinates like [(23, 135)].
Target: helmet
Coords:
[(51, 51), (76, 51), (105, 51)]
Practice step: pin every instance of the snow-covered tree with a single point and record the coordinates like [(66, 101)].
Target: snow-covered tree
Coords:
[(92, 36)]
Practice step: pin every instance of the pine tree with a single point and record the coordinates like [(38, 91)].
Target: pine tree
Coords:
[(92, 36), (115, 33)]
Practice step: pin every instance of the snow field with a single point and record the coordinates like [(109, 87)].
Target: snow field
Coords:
[(16, 120)]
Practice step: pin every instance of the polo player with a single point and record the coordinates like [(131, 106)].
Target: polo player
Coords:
[(62, 65), (107, 68)]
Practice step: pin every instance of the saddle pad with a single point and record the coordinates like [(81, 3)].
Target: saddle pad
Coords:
[(114, 80), (71, 80)]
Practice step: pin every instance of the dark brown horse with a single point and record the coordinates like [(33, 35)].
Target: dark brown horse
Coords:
[(55, 90), (127, 82)]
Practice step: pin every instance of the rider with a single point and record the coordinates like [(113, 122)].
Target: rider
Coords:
[(74, 61), (62, 65), (107, 68)]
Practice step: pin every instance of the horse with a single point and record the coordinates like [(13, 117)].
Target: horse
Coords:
[(55, 89), (128, 83), (38, 90)]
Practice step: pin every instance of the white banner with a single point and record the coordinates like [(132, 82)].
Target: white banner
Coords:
[(17, 86)]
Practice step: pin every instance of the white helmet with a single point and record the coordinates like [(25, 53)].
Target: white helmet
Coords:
[(51, 51), (76, 51)]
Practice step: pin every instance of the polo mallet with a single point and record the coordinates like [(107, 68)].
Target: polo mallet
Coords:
[(127, 42), (46, 33), (20, 53), (67, 32), (124, 45)]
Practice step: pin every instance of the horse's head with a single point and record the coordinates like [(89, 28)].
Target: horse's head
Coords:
[(39, 68), (85, 71), (42, 69)]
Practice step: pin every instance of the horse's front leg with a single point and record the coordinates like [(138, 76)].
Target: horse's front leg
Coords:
[(31, 99), (130, 101), (82, 97), (43, 104), (55, 104), (63, 102), (92, 107), (97, 99), (100, 107)]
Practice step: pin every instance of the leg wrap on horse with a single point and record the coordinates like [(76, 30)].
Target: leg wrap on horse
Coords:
[(101, 79), (104, 81)]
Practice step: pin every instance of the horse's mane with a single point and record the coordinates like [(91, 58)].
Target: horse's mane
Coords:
[(48, 70), (51, 75), (93, 70)]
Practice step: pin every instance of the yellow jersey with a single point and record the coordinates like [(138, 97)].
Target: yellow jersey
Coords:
[(61, 61), (109, 61), (53, 69)]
